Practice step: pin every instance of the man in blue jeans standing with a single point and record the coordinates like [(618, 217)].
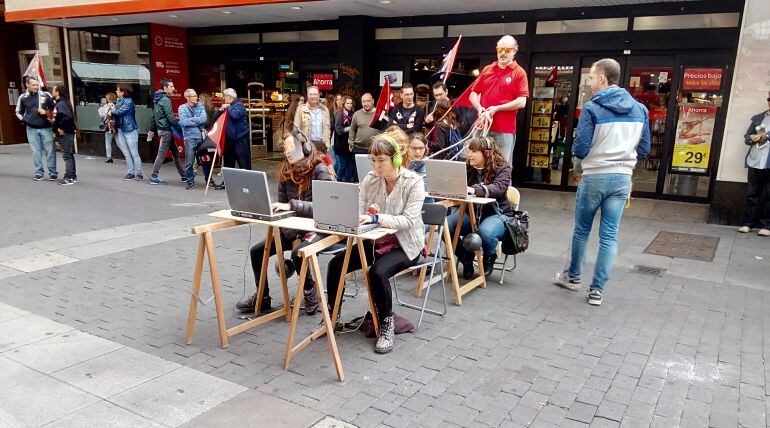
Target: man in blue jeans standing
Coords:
[(32, 110), (613, 130), (192, 117)]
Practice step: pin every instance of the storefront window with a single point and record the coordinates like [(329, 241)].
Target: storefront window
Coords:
[(547, 137), (698, 103), (97, 70), (651, 86)]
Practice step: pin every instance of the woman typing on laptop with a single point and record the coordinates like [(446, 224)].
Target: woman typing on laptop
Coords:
[(302, 165), (392, 196), (489, 176)]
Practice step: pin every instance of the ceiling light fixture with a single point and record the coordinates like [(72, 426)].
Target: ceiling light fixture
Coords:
[(296, 7), (386, 1), (115, 19), (173, 16), (227, 12)]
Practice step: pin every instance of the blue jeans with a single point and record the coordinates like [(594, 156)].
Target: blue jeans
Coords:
[(506, 142), (108, 137), (491, 229), (346, 167), (128, 142), (608, 192), (191, 146), (41, 140)]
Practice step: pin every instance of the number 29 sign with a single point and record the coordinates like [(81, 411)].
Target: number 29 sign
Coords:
[(692, 144)]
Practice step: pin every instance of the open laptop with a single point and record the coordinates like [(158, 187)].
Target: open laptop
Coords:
[(447, 179), (363, 166), (249, 195), (335, 208)]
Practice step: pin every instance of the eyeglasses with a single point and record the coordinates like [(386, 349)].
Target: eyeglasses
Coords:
[(504, 50), (417, 148)]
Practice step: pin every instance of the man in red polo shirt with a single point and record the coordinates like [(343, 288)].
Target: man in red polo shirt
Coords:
[(502, 89)]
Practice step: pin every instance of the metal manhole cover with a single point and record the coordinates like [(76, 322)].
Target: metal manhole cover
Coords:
[(648, 270), (684, 246)]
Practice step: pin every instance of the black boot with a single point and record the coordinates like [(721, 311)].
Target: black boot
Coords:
[(311, 299), (248, 305), (489, 264), (467, 261)]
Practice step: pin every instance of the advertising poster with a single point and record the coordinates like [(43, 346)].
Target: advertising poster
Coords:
[(707, 79), (169, 59), (694, 133)]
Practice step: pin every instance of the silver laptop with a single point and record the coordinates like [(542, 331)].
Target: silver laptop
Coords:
[(335, 208), (363, 166), (447, 179), (249, 195)]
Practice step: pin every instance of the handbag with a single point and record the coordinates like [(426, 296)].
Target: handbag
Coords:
[(516, 236)]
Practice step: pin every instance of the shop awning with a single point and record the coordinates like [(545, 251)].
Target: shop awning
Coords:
[(94, 72)]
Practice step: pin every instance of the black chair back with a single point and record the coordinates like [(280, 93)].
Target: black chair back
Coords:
[(433, 214)]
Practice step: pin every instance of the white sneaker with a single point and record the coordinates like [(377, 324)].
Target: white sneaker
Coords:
[(744, 229), (562, 279), (763, 232)]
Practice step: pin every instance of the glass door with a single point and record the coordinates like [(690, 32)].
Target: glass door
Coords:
[(649, 82), (584, 94), (551, 99)]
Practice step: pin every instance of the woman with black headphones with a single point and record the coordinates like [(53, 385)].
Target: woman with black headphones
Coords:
[(392, 196), (489, 176), (302, 165)]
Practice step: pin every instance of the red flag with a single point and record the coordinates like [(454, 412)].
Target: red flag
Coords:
[(551, 79), (217, 133), (384, 103), (464, 100), (35, 68), (449, 61)]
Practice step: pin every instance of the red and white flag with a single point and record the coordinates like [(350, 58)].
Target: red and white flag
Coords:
[(384, 103), (551, 79), (217, 133), (449, 61), (35, 68)]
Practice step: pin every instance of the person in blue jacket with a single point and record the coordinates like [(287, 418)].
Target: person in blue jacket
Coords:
[(237, 146), (124, 112), (192, 118), (614, 130)]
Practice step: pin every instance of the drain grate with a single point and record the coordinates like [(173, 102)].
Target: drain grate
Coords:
[(648, 270), (684, 246)]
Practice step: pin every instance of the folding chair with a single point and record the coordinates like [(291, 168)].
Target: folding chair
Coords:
[(432, 215)]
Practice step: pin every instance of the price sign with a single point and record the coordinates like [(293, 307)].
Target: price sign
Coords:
[(541, 121), (691, 158), (539, 162), (539, 134), (543, 107), (538, 148)]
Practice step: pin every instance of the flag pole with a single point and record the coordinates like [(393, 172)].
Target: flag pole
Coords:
[(211, 172)]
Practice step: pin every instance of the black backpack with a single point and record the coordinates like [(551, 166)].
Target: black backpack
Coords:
[(516, 238)]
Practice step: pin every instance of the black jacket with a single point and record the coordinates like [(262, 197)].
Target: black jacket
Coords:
[(302, 204), (340, 135), (497, 188), (26, 109), (402, 116), (63, 119)]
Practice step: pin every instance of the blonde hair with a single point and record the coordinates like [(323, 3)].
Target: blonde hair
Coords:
[(111, 97)]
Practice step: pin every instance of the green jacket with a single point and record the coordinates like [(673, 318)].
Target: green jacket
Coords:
[(162, 113)]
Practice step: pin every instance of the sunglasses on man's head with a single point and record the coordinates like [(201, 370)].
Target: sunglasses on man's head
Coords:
[(506, 50)]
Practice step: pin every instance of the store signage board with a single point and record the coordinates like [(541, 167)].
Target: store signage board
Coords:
[(694, 133), (709, 79), (169, 59), (543, 92), (325, 81), (394, 83)]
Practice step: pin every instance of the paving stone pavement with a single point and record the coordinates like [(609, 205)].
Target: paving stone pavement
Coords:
[(682, 349)]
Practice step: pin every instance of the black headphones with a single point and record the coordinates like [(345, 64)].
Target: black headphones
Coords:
[(301, 139)]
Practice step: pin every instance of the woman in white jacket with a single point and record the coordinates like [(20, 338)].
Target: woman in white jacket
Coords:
[(109, 125), (391, 196)]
